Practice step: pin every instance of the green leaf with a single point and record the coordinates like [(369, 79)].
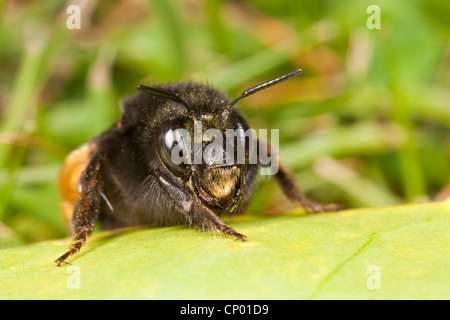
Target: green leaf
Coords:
[(296, 256)]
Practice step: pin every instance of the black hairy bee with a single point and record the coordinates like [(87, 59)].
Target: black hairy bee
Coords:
[(132, 174)]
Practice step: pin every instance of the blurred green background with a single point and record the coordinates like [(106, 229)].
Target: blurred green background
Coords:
[(367, 124)]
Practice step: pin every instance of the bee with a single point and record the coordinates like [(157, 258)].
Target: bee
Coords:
[(131, 174)]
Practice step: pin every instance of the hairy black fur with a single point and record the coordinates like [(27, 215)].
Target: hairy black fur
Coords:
[(126, 182), (131, 155)]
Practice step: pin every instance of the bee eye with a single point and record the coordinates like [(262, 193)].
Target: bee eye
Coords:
[(174, 148)]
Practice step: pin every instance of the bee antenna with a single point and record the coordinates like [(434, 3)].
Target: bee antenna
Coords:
[(164, 94), (266, 85)]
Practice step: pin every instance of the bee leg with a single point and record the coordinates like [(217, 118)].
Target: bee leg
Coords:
[(86, 208), (290, 188), (202, 215), (195, 213)]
